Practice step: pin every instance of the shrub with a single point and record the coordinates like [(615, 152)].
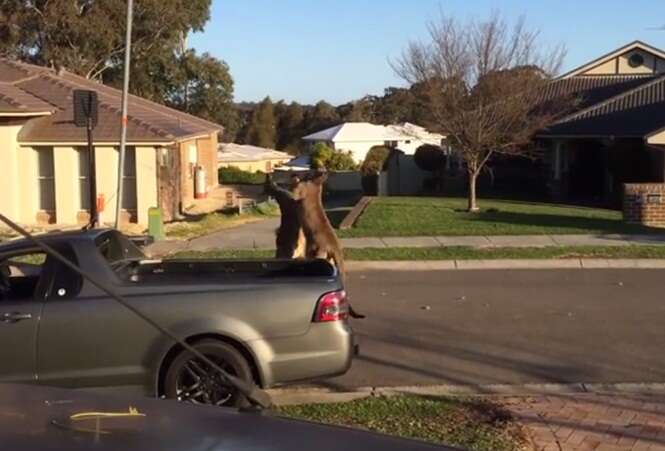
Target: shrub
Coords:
[(374, 160), (325, 157), (235, 176)]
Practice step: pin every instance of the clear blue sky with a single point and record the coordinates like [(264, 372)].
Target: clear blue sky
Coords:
[(338, 50)]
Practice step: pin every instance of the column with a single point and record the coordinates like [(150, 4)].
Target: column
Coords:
[(146, 182), (67, 196), (106, 165)]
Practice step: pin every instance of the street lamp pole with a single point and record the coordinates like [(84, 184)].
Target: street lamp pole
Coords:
[(123, 125)]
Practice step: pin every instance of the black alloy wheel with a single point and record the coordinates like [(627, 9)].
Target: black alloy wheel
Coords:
[(189, 379)]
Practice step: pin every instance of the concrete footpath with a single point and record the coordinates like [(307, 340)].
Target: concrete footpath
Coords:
[(261, 235), (555, 417)]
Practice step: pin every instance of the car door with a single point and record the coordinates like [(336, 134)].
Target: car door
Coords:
[(21, 303), (86, 339)]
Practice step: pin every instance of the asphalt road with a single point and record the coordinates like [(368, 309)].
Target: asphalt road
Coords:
[(513, 327)]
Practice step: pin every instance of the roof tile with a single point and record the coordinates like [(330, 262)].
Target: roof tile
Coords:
[(40, 87)]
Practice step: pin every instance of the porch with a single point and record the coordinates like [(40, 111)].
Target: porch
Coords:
[(592, 171)]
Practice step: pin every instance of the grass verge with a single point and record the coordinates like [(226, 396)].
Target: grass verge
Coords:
[(459, 253), (213, 222), (468, 424), (427, 216)]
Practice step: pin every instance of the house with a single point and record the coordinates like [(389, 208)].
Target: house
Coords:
[(250, 158), (45, 158), (360, 137), (616, 135)]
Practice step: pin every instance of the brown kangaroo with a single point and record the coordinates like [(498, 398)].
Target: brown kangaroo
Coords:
[(289, 237), (321, 239)]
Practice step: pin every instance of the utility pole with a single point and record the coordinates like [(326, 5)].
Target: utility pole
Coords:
[(123, 125)]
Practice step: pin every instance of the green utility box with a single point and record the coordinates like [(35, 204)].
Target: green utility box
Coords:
[(156, 224)]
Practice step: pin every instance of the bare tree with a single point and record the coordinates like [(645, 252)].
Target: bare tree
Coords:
[(483, 82)]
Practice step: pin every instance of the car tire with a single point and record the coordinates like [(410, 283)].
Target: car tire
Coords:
[(180, 380)]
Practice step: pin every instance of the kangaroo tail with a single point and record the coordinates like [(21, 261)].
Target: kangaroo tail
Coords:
[(339, 262)]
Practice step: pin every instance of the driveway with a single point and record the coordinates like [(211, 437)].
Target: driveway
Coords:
[(529, 326), (254, 235)]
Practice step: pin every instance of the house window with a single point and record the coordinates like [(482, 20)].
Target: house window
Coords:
[(635, 60), (129, 201), (46, 179), (408, 141), (83, 179)]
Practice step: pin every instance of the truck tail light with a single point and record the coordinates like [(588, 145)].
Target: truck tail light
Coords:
[(332, 306)]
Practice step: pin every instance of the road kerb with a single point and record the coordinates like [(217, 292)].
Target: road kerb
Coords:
[(295, 396), (499, 264)]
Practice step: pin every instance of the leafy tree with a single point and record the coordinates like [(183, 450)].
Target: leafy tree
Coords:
[(358, 111), (321, 116), (291, 128), (374, 160), (481, 87), (204, 87), (432, 159), (87, 37), (262, 130), (325, 157)]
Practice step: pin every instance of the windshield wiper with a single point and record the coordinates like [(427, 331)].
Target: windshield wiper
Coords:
[(253, 393)]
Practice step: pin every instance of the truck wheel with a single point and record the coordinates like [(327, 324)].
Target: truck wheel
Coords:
[(189, 379)]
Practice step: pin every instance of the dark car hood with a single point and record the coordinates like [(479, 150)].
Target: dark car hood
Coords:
[(34, 418)]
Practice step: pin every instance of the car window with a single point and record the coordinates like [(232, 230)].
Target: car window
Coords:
[(115, 247), (20, 274)]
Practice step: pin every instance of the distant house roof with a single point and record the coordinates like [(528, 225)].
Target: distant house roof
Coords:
[(231, 152), (28, 90), (364, 131)]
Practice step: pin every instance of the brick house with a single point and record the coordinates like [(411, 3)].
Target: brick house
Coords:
[(45, 159)]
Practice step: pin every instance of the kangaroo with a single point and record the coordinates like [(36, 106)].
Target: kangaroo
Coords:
[(321, 239), (289, 237)]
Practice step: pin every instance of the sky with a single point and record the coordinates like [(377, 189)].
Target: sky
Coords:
[(339, 50)]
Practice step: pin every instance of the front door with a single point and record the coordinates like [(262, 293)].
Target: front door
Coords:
[(21, 302)]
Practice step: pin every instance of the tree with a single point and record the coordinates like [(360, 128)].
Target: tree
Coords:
[(359, 110), (483, 84), (322, 116), (325, 157), (203, 86), (374, 160), (291, 128), (87, 37), (432, 159), (262, 130)]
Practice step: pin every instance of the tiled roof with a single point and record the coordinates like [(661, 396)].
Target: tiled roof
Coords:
[(39, 87), (634, 112), (591, 90)]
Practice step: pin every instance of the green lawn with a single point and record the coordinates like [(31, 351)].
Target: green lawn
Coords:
[(468, 424), (460, 253), (421, 216)]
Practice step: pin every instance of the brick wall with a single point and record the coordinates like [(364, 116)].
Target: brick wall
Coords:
[(644, 203)]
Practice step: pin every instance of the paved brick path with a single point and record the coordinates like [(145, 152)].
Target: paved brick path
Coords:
[(592, 421)]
